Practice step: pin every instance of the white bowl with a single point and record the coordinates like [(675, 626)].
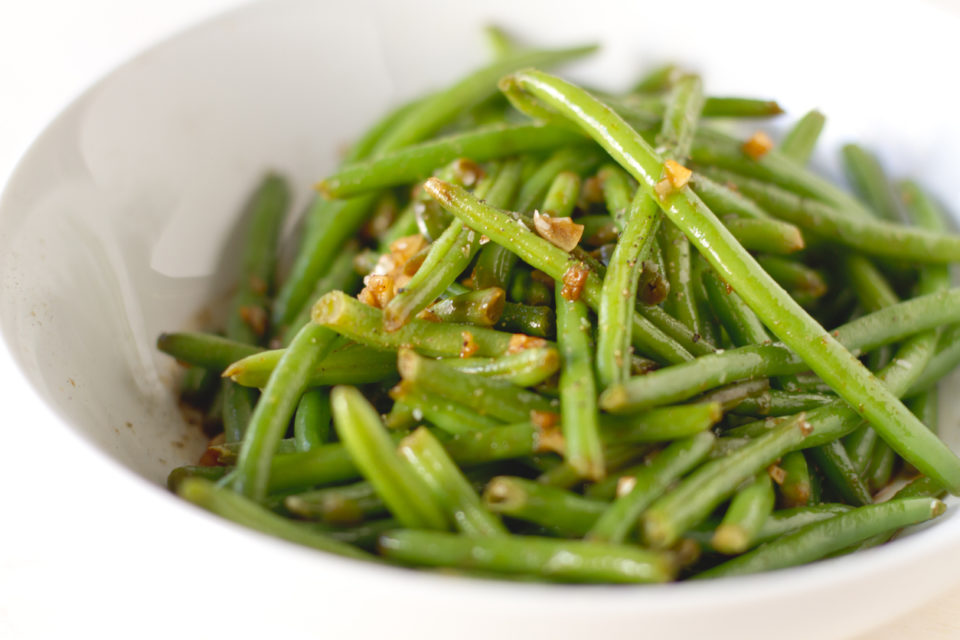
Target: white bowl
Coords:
[(112, 229)]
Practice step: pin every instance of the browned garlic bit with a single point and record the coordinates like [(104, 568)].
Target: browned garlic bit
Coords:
[(561, 232), (678, 174), (574, 279), (469, 345), (390, 273), (254, 317), (467, 171), (758, 145), (521, 341), (776, 473)]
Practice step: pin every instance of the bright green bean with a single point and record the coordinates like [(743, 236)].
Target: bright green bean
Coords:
[(800, 140), (564, 513), (748, 510)]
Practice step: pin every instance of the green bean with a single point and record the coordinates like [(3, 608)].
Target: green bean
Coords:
[(925, 406), (347, 364), (773, 402), (198, 385), (800, 140), (713, 106), (448, 486), (732, 395), (562, 196), (616, 456), (351, 318), (487, 396), (779, 522), (330, 224), (564, 513), (795, 488), (542, 255), (667, 519), (794, 276), (344, 505), (620, 290), (578, 396), (577, 160), (531, 320), (657, 79), (681, 382), (725, 201), (524, 289), (446, 414), (482, 308), (564, 560), (275, 408), (661, 425), (742, 324), (367, 441), (341, 276), (204, 350), (872, 289), (867, 235), (598, 230), (841, 472), (765, 234), (525, 368), (817, 540), (179, 474), (227, 452), (649, 483), (618, 188), (432, 113), (227, 504), (499, 443), (238, 403), (363, 535), (417, 162), (920, 487), (500, 43), (868, 180), (748, 510), (265, 210), (942, 363), (311, 423)]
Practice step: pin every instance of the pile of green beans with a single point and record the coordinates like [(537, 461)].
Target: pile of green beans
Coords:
[(542, 332)]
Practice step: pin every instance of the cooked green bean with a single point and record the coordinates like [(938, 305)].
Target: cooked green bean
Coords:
[(361, 323), (800, 140), (347, 364), (343, 505), (841, 472), (667, 519), (564, 560), (765, 234), (367, 441), (578, 394), (276, 407), (648, 484), (446, 414), (869, 181), (562, 196), (741, 324), (618, 188), (564, 513), (204, 349), (238, 403), (482, 307), (577, 160), (774, 402), (227, 504), (748, 510), (311, 423), (526, 368), (725, 201), (487, 396), (539, 321), (795, 489), (819, 539), (661, 425), (417, 162), (794, 276), (450, 489), (341, 276)]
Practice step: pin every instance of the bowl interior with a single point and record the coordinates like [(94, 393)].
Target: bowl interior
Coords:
[(119, 222)]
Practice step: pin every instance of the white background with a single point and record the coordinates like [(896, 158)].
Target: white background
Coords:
[(50, 50)]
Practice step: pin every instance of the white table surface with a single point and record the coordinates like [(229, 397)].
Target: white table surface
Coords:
[(54, 523)]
